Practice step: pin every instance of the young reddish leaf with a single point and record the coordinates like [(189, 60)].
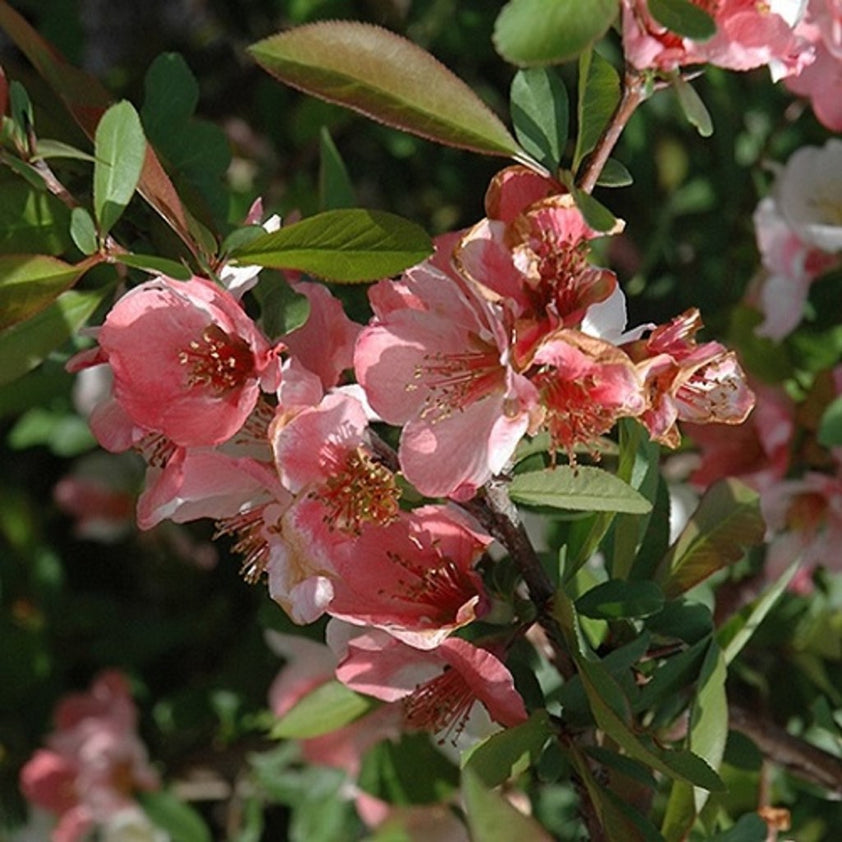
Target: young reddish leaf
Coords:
[(342, 245), (550, 31), (87, 100), (727, 521), (30, 282), (387, 78)]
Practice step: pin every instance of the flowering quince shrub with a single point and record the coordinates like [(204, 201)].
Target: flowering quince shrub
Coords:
[(529, 559)]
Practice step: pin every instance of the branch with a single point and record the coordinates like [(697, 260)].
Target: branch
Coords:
[(782, 748)]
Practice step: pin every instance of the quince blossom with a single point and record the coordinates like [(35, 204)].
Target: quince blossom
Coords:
[(749, 34), (93, 763)]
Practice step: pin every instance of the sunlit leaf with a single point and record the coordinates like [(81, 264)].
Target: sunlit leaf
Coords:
[(539, 106), (341, 245), (386, 77), (583, 488), (83, 230), (120, 150), (726, 522), (56, 149), (550, 31), (328, 707), (694, 109), (30, 282), (508, 752), (25, 345)]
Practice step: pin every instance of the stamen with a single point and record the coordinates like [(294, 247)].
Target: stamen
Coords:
[(251, 542), (359, 492), (217, 360), (441, 705), (156, 449)]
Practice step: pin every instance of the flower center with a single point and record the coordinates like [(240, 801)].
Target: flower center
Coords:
[(457, 380), (441, 705), (251, 544), (217, 360), (360, 491)]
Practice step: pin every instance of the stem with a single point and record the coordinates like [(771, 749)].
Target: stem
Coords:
[(633, 93)]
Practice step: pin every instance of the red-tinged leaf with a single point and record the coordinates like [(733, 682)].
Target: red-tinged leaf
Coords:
[(87, 100), (388, 78), (727, 521), (29, 283)]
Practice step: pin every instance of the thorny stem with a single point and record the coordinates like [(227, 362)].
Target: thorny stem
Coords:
[(634, 92)]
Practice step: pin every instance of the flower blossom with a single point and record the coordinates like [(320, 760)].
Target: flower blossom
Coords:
[(188, 364), (94, 761), (748, 34)]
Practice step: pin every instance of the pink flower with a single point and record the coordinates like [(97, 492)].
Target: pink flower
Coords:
[(94, 761), (438, 687), (435, 359), (699, 383), (413, 578), (188, 363), (748, 35)]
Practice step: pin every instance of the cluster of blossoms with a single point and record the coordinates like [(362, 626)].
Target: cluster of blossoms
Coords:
[(92, 766), (507, 331)]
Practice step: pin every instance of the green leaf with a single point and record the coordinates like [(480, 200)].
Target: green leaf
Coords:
[(683, 18), (83, 231), (749, 828), (507, 753), (170, 94), (31, 282), (599, 93), (25, 345), (584, 488), (550, 31), (726, 521), (615, 599), (282, 309), (120, 150), (155, 265), (595, 213), (830, 427), (20, 108), (31, 220), (341, 245), (694, 109), (45, 149), (539, 107), (491, 818), (386, 77), (335, 187), (738, 630), (328, 707), (179, 820), (614, 174)]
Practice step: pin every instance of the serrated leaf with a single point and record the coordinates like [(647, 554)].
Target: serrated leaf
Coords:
[(31, 282), (341, 245), (539, 107), (83, 231), (683, 18), (694, 109), (25, 345), (508, 752), (155, 265), (177, 818), (120, 150), (529, 32), (726, 522), (580, 489), (615, 599), (386, 77), (599, 93), (492, 818), (330, 706), (830, 427), (335, 188)]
